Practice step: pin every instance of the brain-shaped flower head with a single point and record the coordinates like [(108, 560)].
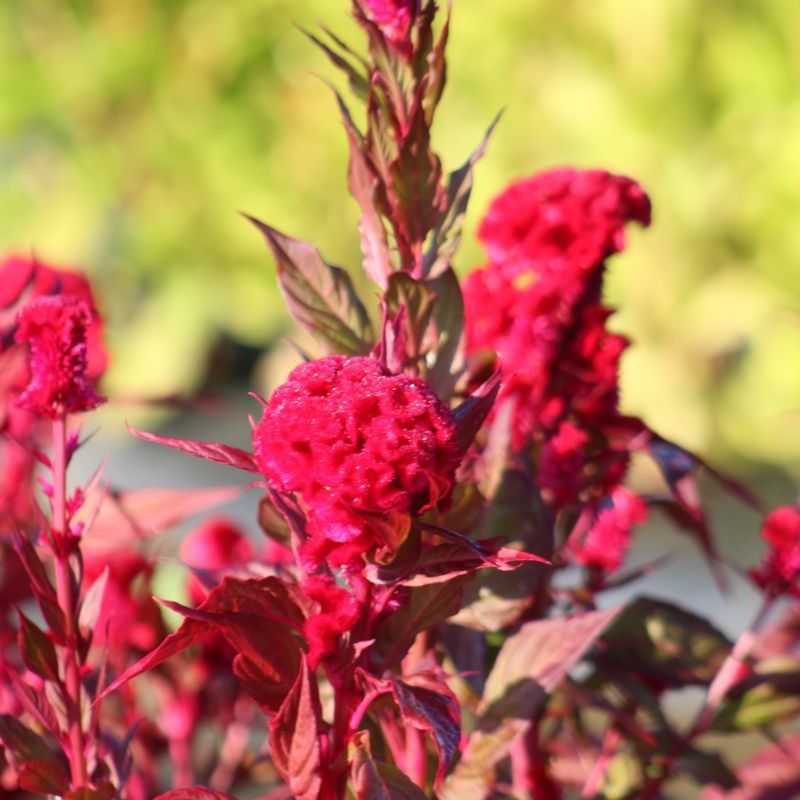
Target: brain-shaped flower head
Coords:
[(363, 449)]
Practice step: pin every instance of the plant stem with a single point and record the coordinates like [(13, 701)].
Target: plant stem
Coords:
[(67, 602)]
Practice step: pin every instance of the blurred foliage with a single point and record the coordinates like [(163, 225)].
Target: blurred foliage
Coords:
[(132, 131)]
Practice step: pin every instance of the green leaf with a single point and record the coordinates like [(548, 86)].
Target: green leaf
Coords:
[(320, 297), (761, 699)]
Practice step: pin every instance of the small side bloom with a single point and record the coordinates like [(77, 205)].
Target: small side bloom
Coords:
[(779, 572), (338, 614), (606, 543), (55, 329), (393, 17)]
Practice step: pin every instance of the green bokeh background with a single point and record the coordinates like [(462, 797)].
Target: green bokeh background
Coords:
[(131, 132)]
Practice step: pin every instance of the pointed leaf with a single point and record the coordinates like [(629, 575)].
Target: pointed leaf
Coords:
[(469, 416), (93, 603), (23, 742), (294, 739), (376, 780), (38, 651), (45, 777), (447, 362), (320, 297), (101, 791), (195, 793), (210, 451)]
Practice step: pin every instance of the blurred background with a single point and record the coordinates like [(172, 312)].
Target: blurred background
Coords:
[(132, 132)]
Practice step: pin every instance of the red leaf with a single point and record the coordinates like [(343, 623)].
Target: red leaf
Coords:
[(211, 451), (376, 780), (103, 791), (473, 411), (24, 743), (46, 777), (195, 793), (432, 708), (294, 738)]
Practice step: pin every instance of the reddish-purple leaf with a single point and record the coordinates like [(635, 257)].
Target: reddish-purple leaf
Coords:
[(433, 708), (23, 742), (473, 411), (210, 451), (294, 738), (101, 791), (376, 780), (320, 297), (37, 649), (45, 777), (195, 793), (93, 603)]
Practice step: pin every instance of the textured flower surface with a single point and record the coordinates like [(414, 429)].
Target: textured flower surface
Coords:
[(780, 570), (55, 328), (362, 448), (338, 613), (606, 543)]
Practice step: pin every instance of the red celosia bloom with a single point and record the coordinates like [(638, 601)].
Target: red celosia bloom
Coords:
[(605, 544), (214, 545), (362, 448), (571, 215), (55, 329), (393, 17), (780, 571), (338, 613)]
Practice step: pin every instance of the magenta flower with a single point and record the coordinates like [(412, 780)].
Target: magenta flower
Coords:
[(606, 543), (362, 448), (393, 17), (55, 328), (338, 613), (780, 569)]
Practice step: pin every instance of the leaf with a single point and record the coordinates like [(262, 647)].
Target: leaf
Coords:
[(137, 514), (359, 83), (38, 651), (432, 708), (210, 451), (530, 664), (663, 642), (376, 780), (93, 603), (23, 743), (469, 416), (46, 777), (367, 188), (103, 791), (294, 739), (447, 362), (195, 793), (447, 233), (239, 609), (761, 699), (418, 301), (773, 773), (423, 607), (320, 297), (706, 769)]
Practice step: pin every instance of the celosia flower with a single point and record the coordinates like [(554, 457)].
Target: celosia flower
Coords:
[(571, 215), (338, 613), (362, 448), (606, 543), (55, 329), (780, 570), (393, 17), (216, 544)]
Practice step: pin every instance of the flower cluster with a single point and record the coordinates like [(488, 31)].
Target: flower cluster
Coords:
[(780, 570), (538, 306), (338, 612), (362, 448), (605, 544), (55, 328), (393, 17)]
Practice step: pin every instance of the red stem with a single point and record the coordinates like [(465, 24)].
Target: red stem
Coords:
[(68, 604)]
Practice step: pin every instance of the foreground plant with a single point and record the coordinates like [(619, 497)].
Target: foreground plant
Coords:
[(423, 480)]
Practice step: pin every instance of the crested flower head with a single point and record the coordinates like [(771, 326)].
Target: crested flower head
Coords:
[(780, 570), (55, 329), (363, 449)]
